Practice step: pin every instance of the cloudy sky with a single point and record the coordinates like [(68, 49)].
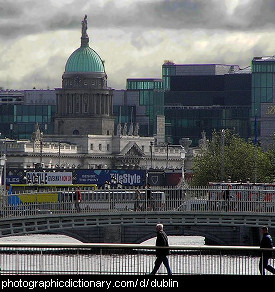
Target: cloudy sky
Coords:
[(134, 37)]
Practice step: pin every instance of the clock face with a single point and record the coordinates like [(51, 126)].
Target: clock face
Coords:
[(77, 80)]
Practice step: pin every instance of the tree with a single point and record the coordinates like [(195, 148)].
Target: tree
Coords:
[(230, 157)]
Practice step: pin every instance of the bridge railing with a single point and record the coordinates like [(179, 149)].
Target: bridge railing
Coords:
[(196, 199), (126, 259)]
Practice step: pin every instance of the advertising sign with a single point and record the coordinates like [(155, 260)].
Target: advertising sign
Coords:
[(156, 178), (100, 176), (50, 178), (12, 179)]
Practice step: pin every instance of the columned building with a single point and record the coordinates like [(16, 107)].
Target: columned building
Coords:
[(84, 103), (84, 135)]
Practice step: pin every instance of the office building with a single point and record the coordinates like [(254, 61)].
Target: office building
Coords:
[(263, 100), (206, 97), (21, 110)]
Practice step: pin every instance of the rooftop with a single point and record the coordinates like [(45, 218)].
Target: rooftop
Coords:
[(264, 59)]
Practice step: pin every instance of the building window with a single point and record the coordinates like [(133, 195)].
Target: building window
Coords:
[(99, 147), (108, 147), (77, 104), (69, 104), (85, 103), (91, 146)]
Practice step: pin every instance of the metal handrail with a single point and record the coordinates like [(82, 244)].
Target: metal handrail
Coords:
[(111, 258), (193, 199), (131, 246)]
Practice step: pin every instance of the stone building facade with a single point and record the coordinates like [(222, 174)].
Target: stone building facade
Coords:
[(84, 103)]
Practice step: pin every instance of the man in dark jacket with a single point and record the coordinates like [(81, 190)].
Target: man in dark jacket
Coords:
[(266, 242), (162, 240)]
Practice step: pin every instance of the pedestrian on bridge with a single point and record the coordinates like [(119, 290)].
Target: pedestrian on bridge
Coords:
[(162, 240), (266, 242), (149, 198), (77, 199)]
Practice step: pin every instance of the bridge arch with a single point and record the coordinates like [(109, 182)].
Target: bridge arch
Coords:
[(146, 232), (146, 237), (136, 227), (69, 233), (209, 238)]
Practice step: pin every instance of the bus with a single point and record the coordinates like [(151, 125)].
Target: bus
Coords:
[(45, 193), (40, 198)]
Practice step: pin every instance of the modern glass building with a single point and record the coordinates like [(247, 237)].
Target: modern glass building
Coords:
[(205, 98), (18, 121), (263, 103), (20, 111), (148, 97)]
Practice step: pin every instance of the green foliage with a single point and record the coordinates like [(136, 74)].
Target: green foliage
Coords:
[(230, 157)]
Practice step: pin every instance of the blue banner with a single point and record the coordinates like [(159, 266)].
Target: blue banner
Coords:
[(100, 176)]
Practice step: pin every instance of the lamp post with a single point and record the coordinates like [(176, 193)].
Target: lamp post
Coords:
[(182, 156), (3, 172), (151, 152), (222, 154)]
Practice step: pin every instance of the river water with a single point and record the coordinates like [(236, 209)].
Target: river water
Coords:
[(189, 263), (57, 238)]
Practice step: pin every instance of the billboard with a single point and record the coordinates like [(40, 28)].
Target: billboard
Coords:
[(100, 176), (50, 178), (128, 177)]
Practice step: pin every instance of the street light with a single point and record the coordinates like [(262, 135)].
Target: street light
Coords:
[(3, 171), (182, 156), (151, 151), (222, 154)]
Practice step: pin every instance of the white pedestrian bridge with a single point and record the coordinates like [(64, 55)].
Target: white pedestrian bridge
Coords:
[(123, 216)]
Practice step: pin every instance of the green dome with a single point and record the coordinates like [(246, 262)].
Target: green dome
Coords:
[(84, 59)]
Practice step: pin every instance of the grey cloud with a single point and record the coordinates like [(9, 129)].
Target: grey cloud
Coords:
[(32, 16), (9, 9), (180, 14), (258, 14), (210, 14)]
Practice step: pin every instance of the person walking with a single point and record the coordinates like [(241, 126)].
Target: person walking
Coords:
[(226, 198), (137, 206), (149, 199), (162, 240), (266, 242), (77, 199)]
